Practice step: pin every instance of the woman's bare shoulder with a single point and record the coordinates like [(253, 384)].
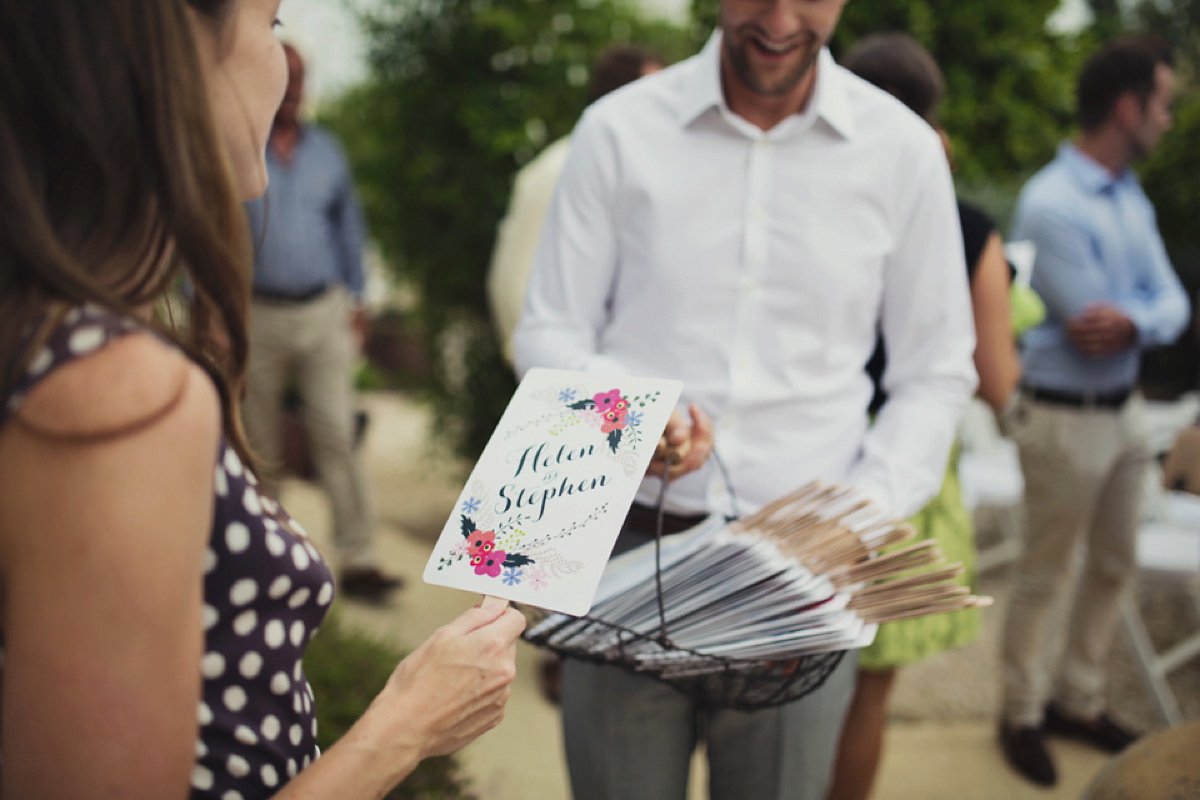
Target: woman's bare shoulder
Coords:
[(130, 383)]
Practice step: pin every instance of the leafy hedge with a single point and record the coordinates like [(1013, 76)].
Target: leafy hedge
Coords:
[(347, 668)]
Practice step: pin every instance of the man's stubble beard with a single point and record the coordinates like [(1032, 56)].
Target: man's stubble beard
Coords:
[(740, 61)]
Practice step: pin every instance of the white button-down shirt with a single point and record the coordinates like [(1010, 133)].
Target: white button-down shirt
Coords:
[(757, 267)]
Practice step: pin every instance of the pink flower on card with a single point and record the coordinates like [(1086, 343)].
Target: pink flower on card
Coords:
[(538, 579), (607, 401), (489, 564), (481, 542), (613, 421)]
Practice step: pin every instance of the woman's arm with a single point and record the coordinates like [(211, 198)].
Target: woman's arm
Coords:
[(102, 548), (996, 358), (451, 690)]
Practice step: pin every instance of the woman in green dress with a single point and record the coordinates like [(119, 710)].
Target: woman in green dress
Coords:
[(897, 64)]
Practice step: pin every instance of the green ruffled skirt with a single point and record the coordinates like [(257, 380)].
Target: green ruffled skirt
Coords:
[(947, 521)]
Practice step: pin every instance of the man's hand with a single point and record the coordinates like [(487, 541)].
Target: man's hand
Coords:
[(359, 327), (686, 445), (1101, 331)]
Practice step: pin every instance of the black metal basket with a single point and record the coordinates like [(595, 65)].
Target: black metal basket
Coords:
[(711, 681)]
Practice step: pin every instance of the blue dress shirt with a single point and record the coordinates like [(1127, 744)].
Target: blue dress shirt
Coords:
[(1097, 243), (309, 224)]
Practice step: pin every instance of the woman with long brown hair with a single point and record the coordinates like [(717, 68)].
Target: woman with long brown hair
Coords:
[(154, 603)]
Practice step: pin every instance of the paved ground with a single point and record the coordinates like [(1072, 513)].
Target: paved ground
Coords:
[(941, 741)]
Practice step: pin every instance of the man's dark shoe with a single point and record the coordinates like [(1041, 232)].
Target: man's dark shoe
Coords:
[(369, 584), (1103, 732), (1025, 749)]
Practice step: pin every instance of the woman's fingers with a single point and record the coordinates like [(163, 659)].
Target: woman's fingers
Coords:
[(471, 727)]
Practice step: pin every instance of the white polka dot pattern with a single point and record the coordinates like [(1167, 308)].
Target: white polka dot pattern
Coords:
[(245, 623), (237, 537), (212, 666), (256, 719), (202, 778), (271, 727), (299, 598), (85, 340), (238, 767), (42, 361), (250, 665), (243, 592)]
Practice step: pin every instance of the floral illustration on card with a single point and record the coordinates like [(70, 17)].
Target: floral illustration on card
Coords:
[(499, 553)]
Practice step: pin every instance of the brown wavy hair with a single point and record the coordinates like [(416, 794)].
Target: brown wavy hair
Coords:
[(114, 181)]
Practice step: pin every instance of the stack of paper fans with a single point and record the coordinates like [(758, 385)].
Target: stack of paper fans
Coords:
[(758, 611)]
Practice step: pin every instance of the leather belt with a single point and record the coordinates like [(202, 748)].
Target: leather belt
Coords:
[(264, 296), (1113, 400), (645, 519)]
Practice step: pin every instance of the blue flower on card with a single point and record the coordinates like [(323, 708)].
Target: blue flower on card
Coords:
[(512, 576), (635, 418), (566, 396), (470, 506)]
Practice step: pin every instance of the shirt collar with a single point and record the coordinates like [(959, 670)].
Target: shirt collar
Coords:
[(1088, 173), (702, 91)]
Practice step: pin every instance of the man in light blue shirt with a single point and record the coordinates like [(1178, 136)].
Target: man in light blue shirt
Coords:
[(1110, 293), (305, 314)]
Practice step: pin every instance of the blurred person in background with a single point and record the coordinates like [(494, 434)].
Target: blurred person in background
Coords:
[(155, 602), (747, 221), (306, 318), (533, 186), (1110, 292), (896, 63)]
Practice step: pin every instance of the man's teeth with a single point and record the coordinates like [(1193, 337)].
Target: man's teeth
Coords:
[(778, 49)]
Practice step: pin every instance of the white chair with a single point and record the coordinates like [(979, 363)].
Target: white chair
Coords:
[(1168, 549)]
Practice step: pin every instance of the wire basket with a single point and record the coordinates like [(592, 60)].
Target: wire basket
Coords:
[(711, 681), (826, 532)]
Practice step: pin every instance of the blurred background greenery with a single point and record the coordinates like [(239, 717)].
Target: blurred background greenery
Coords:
[(460, 93)]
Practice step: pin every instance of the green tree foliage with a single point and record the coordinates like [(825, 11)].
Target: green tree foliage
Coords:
[(461, 93), (1178, 21), (1171, 178), (1010, 82)]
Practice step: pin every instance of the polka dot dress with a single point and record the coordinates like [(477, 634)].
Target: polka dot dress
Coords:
[(266, 590)]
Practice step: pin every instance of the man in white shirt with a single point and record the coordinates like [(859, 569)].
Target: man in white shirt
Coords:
[(745, 222)]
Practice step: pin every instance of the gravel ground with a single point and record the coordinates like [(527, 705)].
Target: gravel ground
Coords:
[(963, 685)]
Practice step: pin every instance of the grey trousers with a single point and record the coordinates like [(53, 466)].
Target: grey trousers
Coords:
[(629, 737), (313, 339), (1083, 475)]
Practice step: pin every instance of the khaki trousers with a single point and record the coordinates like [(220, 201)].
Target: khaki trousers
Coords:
[(313, 340), (1083, 473)]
